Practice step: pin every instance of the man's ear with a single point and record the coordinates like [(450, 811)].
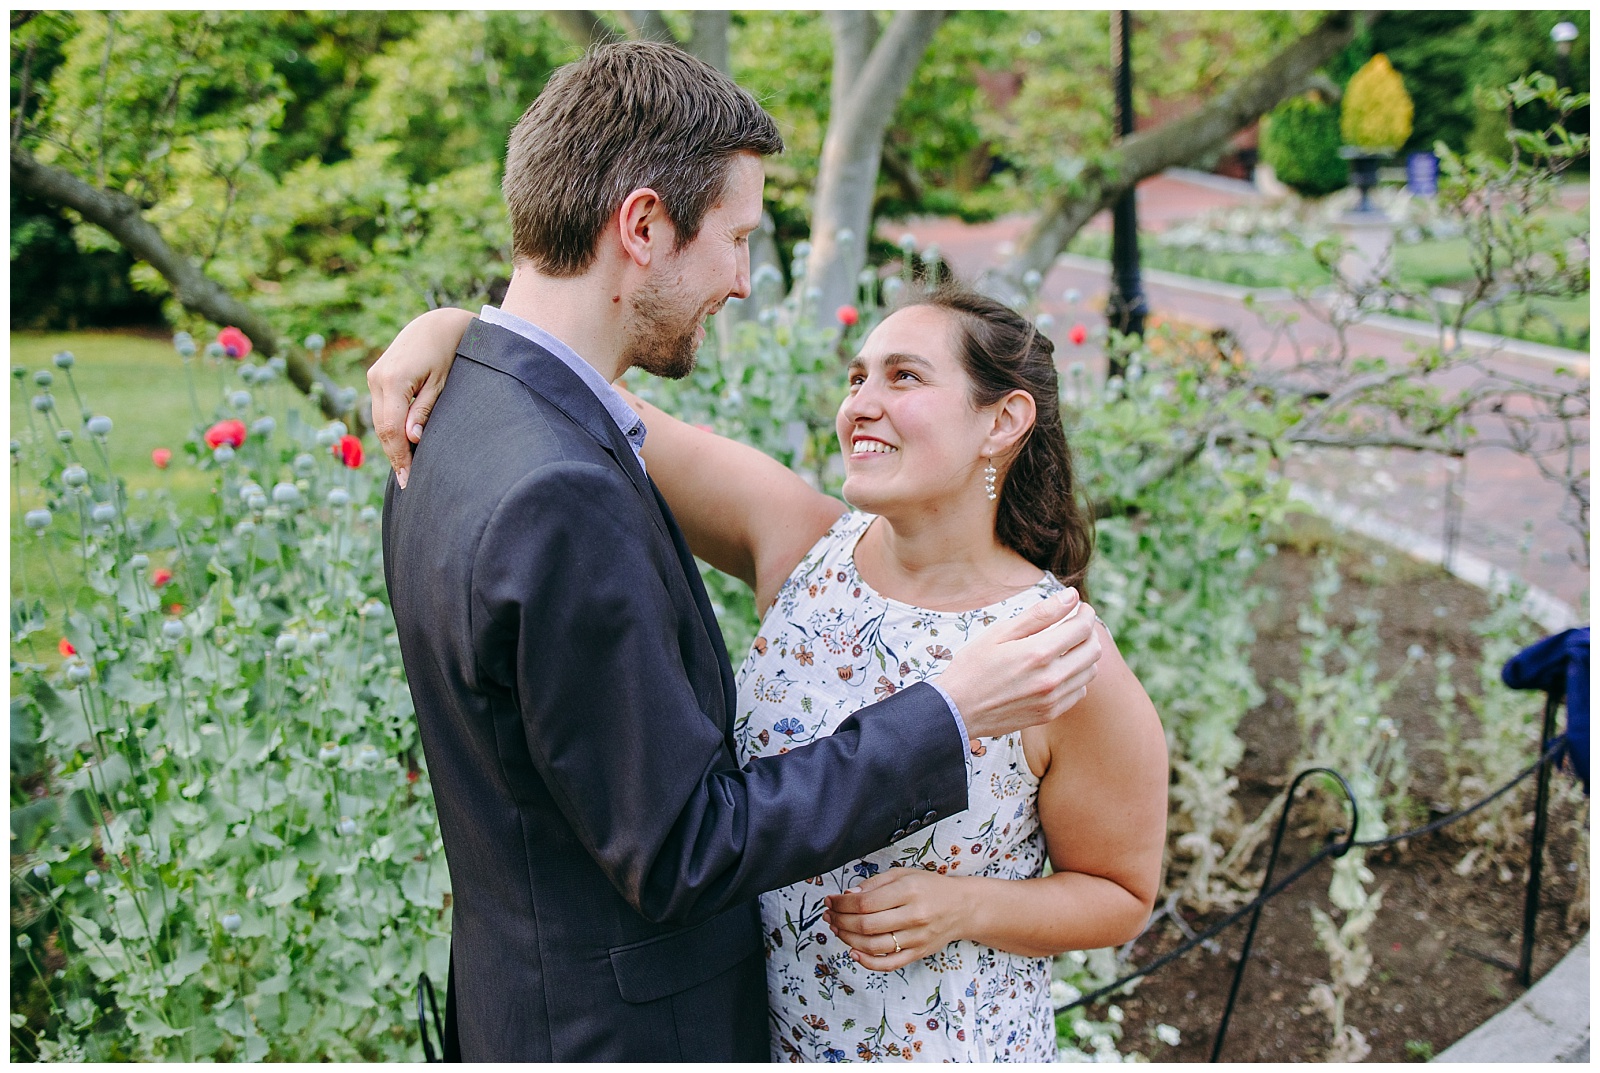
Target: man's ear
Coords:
[(1014, 416), (643, 226)]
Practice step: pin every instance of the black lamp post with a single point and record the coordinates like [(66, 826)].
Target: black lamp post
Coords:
[(1563, 34), (1126, 308)]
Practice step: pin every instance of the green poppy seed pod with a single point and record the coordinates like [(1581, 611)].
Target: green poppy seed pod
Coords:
[(44, 403), (232, 922), (99, 425), (92, 880), (277, 366), (346, 826), (103, 514), (316, 391), (23, 941), (844, 236), (1044, 322), (223, 453), (64, 435), (78, 673), (186, 349), (329, 753), (285, 494), (172, 630), (315, 342), (37, 519), (319, 639), (247, 373), (44, 378), (369, 514), (16, 448), (367, 756), (1031, 279), (304, 464), (264, 426), (41, 871), (337, 429), (74, 476), (139, 562), (19, 371), (64, 360), (338, 497), (258, 501), (372, 607), (240, 400), (908, 243), (245, 527), (325, 438), (214, 350), (286, 644)]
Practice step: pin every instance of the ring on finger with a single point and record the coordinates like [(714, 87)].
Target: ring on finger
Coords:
[(896, 949)]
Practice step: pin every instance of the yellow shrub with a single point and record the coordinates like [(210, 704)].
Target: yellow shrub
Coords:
[(1376, 115)]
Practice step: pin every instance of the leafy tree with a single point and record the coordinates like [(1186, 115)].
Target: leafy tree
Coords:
[(1300, 139)]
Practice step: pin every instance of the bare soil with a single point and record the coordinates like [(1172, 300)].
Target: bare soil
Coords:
[(1437, 932)]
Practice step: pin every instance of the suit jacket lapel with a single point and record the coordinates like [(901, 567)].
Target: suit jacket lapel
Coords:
[(546, 374)]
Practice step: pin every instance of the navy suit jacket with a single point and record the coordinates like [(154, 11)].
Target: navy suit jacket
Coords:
[(575, 705)]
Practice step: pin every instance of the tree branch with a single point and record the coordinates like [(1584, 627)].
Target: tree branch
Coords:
[(120, 216), (1173, 143)]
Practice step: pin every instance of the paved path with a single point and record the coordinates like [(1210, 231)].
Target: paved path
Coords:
[(1511, 519)]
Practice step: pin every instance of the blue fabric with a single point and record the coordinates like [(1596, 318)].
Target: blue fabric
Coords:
[(1553, 664)]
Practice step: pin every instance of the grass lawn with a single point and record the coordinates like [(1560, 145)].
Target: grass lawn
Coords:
[(137, 380)]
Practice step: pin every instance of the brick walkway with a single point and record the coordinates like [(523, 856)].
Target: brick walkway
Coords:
[(1511, 516)]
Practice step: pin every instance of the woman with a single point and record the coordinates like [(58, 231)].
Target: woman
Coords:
[(936, 947)]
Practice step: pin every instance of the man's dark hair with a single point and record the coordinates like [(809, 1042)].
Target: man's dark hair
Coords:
[(625, 116)]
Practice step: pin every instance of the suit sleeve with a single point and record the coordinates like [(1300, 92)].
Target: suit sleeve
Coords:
[(572, 617)]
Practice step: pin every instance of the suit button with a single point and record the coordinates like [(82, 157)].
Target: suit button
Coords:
[(930, 817), (898, 835), (914, 825)]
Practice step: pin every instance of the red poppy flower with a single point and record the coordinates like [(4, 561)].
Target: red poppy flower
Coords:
[(65, 648), (348, 451), (176, 609), (413, 776), (1078, 334), (161, 457), (848, 316), (230, 432), (160, 576), (234, 343)]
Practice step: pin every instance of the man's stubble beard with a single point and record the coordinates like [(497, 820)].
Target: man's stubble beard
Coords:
[(656, 343)]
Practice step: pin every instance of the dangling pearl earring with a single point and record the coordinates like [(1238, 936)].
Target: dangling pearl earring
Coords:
[(989, 474)]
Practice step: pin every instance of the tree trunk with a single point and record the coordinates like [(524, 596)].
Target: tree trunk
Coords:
[(708, 38), (120, 216), (871, 72), (1171, 144), (587, 28)]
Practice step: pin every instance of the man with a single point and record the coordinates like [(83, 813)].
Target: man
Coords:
[(571, 685)]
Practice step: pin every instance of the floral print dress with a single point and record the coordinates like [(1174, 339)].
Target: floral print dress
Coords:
[(829, 647)]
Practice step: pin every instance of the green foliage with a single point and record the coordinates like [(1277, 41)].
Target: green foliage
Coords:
[(1300, 139), (233, 847)]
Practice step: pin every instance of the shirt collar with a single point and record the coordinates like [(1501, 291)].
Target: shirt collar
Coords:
[(628, 421)]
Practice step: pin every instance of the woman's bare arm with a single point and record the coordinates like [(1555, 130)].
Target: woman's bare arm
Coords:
[(1103, 806), (406, 381), (743, 512)]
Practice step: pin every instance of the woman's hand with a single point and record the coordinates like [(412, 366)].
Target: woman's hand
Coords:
[(406, 381), (920, 911)]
